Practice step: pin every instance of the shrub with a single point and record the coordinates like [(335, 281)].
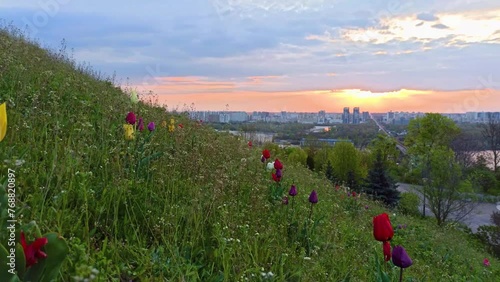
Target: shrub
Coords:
[(408, 204)]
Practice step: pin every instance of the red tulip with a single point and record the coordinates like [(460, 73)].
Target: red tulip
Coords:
[(266, 154), (250, 144), (181, 126), (278, 164), (32, 251), (382, 231), (382, 228), (276, 178)]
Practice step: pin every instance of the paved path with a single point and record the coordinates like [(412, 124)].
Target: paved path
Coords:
[(479, 216)]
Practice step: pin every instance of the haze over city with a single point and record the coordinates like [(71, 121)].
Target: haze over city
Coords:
[(297, 55)]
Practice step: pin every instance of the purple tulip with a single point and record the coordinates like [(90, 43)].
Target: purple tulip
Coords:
[(278, 173), (262, 159), (140, 125), (130, 119), (285, 200), (313, 198), (293, 191), (151, 126), (400, 258)]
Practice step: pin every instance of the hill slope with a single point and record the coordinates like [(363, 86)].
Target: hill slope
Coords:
[(189, 204)]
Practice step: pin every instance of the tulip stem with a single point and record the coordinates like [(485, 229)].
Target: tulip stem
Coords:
[(401, 275)]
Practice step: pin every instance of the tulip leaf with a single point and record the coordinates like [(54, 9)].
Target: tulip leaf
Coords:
[(5, 268), (47, 269)]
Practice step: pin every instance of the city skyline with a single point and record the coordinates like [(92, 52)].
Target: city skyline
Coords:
[(302, 55)]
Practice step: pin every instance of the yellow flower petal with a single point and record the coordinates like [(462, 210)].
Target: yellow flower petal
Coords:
[(3, 121), (128, 130), (164, 123)]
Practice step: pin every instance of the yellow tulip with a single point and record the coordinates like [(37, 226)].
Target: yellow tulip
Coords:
[(128, 129), (171, 128), (172, 121), (3, 121), (164, 123)]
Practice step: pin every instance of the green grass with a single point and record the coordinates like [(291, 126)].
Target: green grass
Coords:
[(199, 212)]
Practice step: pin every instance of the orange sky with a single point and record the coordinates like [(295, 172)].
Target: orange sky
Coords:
[(249, 95)]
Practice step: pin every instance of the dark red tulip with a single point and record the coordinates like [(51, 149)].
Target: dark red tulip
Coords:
[(266, 154), (382, 228), (250, 144), (130, 119), (278, 164), (382, 231)]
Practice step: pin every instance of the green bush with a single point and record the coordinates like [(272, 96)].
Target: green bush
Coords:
[(408, 204)]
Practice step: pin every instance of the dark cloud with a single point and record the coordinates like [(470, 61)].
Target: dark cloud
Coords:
[(440, 26), (427, 17)]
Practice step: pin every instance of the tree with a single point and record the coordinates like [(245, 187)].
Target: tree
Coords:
[(386, 146), (447, 194), (465, 148), (428, 142), (322, 156), (345, 158), (379, 185), (329, 173), (491, 135), (297, 155), (429, 132)]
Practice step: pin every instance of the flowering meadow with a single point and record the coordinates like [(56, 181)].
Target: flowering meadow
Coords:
[(111, 187)]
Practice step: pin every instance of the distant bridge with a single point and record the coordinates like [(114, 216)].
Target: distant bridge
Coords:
[(399, 145)]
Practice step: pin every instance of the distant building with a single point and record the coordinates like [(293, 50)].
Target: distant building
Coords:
[(346, 115), (238, 116), (366, 116), (322, 117), (356, 118)]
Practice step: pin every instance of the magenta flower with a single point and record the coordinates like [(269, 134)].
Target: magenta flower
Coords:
[(140, 125), (400, 258), (130, 119), (486, 262), (293, 191), (313, 198), (151, 126), (278, 173)]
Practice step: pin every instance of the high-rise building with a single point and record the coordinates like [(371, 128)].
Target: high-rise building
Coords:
[(366, 116), (346, 115), (355, 116)]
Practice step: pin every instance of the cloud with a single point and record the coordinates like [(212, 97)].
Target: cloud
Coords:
[(440, 26), (268, 46), (427, 17)]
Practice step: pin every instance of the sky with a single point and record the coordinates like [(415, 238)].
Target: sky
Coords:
[(283, 55)]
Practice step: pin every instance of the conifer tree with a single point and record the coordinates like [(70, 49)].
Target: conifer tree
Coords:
[(380, 185)]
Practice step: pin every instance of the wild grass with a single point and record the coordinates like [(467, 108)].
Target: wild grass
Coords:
[(200, 211)]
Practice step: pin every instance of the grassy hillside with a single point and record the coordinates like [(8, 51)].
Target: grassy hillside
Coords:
[(186, 205)]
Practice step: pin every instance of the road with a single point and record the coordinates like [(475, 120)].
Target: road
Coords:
[(399, 145), (479, 216)]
